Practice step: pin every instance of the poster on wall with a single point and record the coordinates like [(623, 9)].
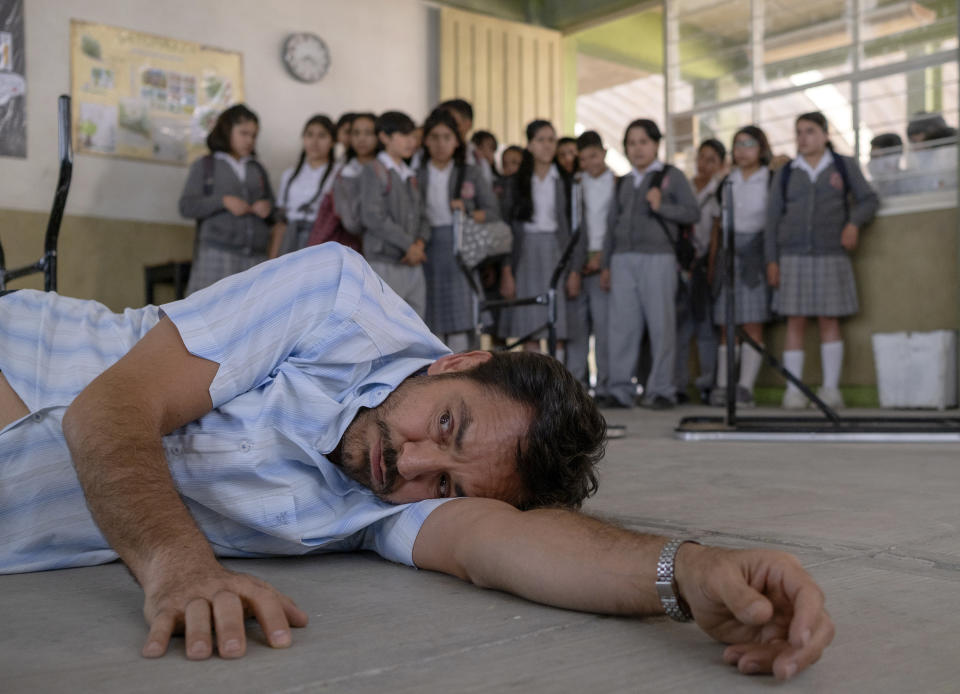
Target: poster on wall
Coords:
[(147, 97), (13, 83)]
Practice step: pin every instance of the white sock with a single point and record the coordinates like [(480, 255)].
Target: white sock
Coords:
[(793, 362), (722, 366), (750, 362), (831, 356)]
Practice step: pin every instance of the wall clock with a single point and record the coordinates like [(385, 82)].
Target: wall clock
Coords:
[(306, 56)]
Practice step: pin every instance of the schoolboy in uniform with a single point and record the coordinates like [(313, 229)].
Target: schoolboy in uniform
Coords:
[(390, 208), (587, 313)]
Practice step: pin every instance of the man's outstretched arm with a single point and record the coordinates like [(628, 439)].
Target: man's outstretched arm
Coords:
[(114, 429), (762, 603)]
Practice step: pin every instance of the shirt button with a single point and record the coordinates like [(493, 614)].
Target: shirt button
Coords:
[(37, 417), (245, 446)]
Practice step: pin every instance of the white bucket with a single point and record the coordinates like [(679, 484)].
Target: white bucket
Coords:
[(916, 369)]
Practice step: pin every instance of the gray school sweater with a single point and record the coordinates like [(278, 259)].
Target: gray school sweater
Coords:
[(631, 226), (476, 193), (219, 228), (815, 213), (389, 213)]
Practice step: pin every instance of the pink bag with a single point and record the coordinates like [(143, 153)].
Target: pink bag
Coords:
[(327, 227)]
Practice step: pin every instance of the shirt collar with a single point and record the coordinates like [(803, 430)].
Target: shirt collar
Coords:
[(825, 161), (403, 171), (638, 175), (553, 173)]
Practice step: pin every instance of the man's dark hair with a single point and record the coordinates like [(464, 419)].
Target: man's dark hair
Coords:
[(219, 138), (558, 456), (461, 106), (481, 136), (589, 138), (717, 146), (392, 122)]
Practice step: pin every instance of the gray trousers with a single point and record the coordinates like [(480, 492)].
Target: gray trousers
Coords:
[(688, 327), (642, 291), (406, 280), (586, 315)]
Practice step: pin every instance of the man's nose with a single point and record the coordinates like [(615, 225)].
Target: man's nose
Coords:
[(418, 459)]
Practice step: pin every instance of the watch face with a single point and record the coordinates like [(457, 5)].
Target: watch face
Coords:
[(306, 57)]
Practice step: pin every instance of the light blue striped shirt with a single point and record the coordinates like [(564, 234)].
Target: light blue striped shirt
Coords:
[(303, 342)]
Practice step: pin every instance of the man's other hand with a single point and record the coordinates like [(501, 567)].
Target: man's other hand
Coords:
[(202, 601), (761, 602)]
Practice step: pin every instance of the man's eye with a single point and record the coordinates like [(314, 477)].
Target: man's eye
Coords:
[(445, 421), (444, 489)]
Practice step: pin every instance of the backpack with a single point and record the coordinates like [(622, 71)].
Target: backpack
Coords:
[(329, 227), (683, 247)]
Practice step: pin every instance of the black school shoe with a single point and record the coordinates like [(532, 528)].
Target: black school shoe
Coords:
[(659, 402)]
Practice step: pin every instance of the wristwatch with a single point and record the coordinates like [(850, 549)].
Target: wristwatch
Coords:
[(675, 606)]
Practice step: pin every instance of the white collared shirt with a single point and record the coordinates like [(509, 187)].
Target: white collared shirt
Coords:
[(302, 190), (403, 171), (597, 196), (750, 200), (825, 161), (239, 166), (638, 175), (438, 195), (709, 211), (544, 194)]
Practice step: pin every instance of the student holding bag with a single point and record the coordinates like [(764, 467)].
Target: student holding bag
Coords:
[(228, 193), (302, 187), (448, 184), (812, 227)]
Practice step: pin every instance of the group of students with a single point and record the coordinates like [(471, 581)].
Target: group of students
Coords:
[(392, 190)]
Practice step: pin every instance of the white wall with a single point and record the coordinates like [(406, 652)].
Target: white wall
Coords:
[(379, 59)]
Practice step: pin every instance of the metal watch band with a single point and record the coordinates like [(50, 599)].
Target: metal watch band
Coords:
[(670, 599)]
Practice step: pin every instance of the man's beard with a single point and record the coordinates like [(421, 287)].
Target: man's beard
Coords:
[(355, 453)]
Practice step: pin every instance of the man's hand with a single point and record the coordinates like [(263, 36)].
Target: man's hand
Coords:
[(760, 602), (198, 601), (236, 206)]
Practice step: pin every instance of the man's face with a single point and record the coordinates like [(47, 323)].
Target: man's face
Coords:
[(435, 438)]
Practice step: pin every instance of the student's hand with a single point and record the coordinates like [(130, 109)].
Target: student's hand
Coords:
[(479, 216), (456, 204), (849, 237), (236, 206), (593, 263), (199, 601), (508, 287), (262, 208), (773, 274), (761, 602), (605, 279), (415, 254), (654, 196), (573, 285)]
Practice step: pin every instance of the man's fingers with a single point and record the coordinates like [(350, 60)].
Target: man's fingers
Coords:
[(746, 604), (758, 658), (228, 622), (792, 661), (161, 627), (199, 640), (295, 616), (271, 615), (807, 611)]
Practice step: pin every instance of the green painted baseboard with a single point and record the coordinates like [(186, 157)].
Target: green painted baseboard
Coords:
[(853, 396)]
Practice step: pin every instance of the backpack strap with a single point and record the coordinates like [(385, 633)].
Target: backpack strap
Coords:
[(381, 171)]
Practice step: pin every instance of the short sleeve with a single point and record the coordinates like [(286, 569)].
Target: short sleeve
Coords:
[(393, 537)]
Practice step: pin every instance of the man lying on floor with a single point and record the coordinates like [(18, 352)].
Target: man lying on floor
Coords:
[(301, 407)]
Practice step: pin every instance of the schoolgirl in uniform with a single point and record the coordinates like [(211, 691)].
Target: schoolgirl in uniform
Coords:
[(694, 305), (640, 267), (343, 136), (302, 187), (362, 150), (449, 312), (228, 193), (535, 202), (750, 182), (818, 203)]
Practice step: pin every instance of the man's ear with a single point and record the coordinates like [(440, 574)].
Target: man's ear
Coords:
[(463, 361)]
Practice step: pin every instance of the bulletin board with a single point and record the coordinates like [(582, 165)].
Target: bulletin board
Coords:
[(147, 97)]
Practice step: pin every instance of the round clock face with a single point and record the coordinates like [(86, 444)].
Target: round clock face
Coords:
[(306, 57)]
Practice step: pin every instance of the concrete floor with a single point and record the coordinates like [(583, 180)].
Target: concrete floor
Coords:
[(876, 524)]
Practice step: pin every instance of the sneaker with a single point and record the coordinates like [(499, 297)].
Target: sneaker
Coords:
[(831, 397), (744, 397), (794, 400), (658, 402), (682, 397), (718, 397)]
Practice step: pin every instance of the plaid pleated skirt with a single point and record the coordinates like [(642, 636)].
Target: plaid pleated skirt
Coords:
[(212, 264), (449, 297), (751, 304), (816, 285), (538, 258)]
